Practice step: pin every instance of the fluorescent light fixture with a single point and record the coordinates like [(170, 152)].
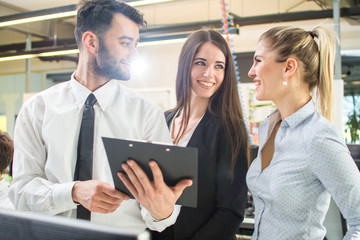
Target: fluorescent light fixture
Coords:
[(57, 53), (161, 42), (44, 54), (147, 2), (20, 57), (350, 52), (38, 18), (65, 14), (179, 38)]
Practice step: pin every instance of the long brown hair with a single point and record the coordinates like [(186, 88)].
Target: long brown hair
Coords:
[(316, 50), (224, 103)]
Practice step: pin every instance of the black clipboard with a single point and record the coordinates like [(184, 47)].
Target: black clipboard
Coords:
[(175, 162)]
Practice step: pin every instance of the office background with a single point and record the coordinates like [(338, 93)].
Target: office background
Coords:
[(169, 22)]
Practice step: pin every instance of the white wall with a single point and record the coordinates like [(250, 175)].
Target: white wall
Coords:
[(158, 70)]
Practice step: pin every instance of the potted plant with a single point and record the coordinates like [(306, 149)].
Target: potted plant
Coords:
[(354, 121)]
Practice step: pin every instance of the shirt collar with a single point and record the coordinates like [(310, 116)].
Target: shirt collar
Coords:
[(274, 116), (300, 115), (102, 94), (296, 118)]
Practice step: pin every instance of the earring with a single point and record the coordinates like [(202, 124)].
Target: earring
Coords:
[(284, 83)]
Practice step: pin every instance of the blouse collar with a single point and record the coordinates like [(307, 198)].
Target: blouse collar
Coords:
[(296, 118)]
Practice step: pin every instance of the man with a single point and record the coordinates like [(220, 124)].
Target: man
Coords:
[(48, 127)]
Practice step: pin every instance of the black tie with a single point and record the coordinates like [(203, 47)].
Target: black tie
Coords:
[(83, 170)]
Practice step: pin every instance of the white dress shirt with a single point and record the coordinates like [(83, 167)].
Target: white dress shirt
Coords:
[(46, 139), (5, 202), (310, 163)]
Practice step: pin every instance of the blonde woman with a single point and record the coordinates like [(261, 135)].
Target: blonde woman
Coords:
[(302, 158)]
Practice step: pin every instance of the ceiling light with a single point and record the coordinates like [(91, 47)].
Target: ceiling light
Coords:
[(59, 12), (147, 2), (19, 57), (38, 18), (57, 53), (44, 54), (350, 52), (161, 42)]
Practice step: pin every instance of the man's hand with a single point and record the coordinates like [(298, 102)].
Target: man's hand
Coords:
[(156, 196), (97, 196)]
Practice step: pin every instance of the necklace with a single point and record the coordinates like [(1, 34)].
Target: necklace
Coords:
[(189, 128)]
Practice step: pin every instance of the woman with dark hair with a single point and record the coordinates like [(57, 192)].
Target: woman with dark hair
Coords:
[(302, 159), (6, 156), (208, 116)]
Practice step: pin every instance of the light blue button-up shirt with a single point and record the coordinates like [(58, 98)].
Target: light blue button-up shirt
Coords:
[(310, 163)]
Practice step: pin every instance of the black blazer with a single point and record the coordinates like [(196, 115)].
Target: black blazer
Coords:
[(224, 202)]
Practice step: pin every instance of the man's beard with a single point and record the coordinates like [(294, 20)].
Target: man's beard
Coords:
[(105, 65)]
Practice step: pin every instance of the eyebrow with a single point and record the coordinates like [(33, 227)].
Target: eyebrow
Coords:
[(128, 38), (203, 59)]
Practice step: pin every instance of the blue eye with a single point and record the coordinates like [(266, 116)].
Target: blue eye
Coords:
[(200, 63), (219, 67)]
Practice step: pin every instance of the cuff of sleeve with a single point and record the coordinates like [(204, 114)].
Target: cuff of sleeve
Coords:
[(159, 226), (62, 196)]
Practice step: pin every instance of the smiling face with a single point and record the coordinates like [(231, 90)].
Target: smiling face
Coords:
[(207, 71), (117, 48), (267, 74)]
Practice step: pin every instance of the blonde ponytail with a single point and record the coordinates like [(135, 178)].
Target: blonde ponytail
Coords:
[(327, 49)]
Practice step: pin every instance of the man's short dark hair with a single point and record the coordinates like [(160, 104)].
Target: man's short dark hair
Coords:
[(96, 16), (6, 150)]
